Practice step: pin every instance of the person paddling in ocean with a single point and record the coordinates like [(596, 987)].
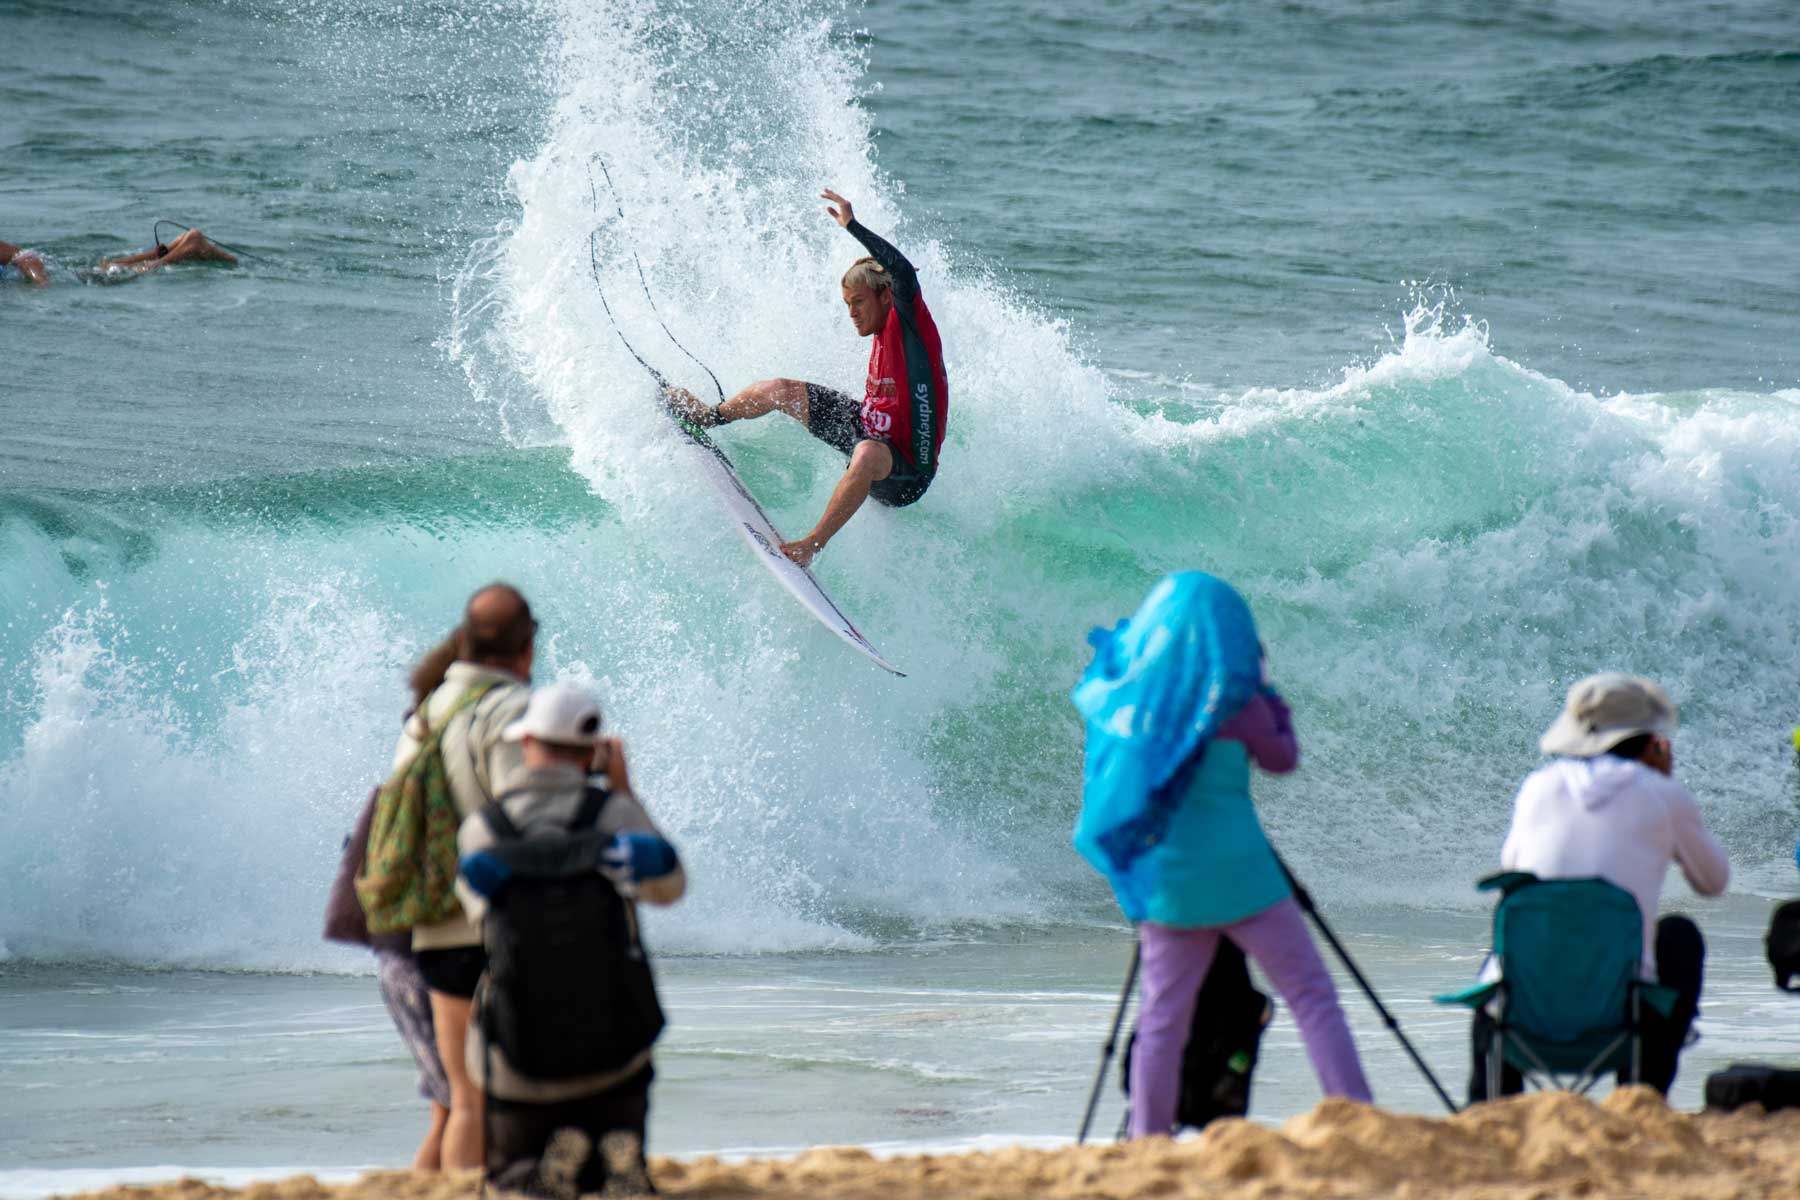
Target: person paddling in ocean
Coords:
[(192, 245), (17, 262), (1177, 708), (31, 267), (894, 433)]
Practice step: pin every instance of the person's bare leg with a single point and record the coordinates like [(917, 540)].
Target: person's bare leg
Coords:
[(429, 1156), (196, 245), (870, 463), (761, 399), (191, 245), (150, 257), (757, 400), (463, 1134)]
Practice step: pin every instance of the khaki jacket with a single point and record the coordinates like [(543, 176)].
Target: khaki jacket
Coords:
[(478, 765)]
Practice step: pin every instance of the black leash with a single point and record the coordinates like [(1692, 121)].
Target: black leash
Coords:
[(643, 282), (594, 266), (1305, 900), (1112, 1041), (156, 238)]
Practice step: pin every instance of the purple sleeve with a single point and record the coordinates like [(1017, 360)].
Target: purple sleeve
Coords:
[(1267, 731)]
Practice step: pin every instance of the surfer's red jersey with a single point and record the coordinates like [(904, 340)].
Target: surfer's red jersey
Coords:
[(907, 401)]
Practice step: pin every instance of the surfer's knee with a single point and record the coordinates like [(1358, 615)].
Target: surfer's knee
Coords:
[(873, 460), (787, 392)]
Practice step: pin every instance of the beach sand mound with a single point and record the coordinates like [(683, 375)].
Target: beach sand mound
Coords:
[(1544, 1146)]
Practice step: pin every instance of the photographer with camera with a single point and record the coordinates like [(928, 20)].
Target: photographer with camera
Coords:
[(566, 1013)]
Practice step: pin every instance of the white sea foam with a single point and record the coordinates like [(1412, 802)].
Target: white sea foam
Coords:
[(1436, 544)]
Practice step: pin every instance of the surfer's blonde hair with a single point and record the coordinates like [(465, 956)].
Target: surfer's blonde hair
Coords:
[(865, 272)]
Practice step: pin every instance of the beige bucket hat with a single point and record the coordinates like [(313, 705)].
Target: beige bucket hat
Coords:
[(1603, 710)]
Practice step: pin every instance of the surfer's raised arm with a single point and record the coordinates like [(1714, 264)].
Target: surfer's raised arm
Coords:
[(905, 278), (893, 433)]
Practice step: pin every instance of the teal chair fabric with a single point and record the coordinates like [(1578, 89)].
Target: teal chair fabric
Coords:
[(1568, 1003)]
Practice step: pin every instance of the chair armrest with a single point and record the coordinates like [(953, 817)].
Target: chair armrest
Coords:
[(1473, 996), (1658, 996)]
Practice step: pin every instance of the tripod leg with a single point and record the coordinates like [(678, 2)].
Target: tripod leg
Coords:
[(1112, 1043)]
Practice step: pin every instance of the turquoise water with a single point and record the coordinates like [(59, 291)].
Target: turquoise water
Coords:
[(1463, 340)]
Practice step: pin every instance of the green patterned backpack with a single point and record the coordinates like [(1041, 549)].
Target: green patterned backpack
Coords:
[(408, 874)]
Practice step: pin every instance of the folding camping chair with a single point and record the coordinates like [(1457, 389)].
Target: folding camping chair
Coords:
[(1568, 1005)]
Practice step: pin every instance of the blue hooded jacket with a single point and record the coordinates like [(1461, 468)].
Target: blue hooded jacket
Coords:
[(1161, 686)]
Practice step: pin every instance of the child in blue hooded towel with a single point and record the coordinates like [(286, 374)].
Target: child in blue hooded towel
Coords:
[(1177, 708)]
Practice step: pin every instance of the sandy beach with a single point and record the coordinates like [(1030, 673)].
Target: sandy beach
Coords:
[(1462, 341), (1526, 1148)]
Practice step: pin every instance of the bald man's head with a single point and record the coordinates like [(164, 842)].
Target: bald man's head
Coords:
[(497, 626)]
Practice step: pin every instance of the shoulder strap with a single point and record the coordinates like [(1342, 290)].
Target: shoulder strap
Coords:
[(593, 800), (470, 697), (498, 823)]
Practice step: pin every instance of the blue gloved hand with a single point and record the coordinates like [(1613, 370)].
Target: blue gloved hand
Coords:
[(484, 873), (634, 857)]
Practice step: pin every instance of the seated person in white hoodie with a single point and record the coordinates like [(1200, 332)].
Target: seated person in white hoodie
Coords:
[(1610, 806)]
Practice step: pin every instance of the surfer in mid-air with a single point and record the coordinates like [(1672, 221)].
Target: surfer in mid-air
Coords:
[(893, 434)]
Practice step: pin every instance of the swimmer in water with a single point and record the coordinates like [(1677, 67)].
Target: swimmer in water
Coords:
[(28, 263), (191, 246)]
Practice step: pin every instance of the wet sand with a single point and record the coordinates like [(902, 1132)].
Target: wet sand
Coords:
[(1534, 1147)]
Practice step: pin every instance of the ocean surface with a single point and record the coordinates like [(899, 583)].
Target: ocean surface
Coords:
[(1464, 339)]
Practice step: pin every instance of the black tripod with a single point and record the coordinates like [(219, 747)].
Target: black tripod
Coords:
[(1304, 899), (1112, 1042)]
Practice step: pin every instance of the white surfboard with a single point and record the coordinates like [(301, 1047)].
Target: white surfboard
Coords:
[(765, 542)]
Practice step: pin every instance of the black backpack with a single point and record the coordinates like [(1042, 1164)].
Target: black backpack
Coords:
[(1752, 1083), (1223, 1039), (1783, 945), (568, 987)]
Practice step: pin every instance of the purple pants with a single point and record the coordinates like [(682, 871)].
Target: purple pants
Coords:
[(1175, 962)]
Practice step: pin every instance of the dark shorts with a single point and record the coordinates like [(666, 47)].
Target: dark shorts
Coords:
[(835, 418), (453, 971)]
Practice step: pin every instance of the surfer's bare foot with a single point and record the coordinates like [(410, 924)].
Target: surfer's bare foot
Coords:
[(801, 551), (684, 403)]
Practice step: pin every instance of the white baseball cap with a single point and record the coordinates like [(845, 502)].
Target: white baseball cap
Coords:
[(562, 714)]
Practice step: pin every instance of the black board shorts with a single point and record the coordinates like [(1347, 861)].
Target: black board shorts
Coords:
[(453, 970), (835, 418)]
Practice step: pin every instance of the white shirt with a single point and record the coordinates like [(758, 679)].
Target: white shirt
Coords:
[(1620, 820)]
